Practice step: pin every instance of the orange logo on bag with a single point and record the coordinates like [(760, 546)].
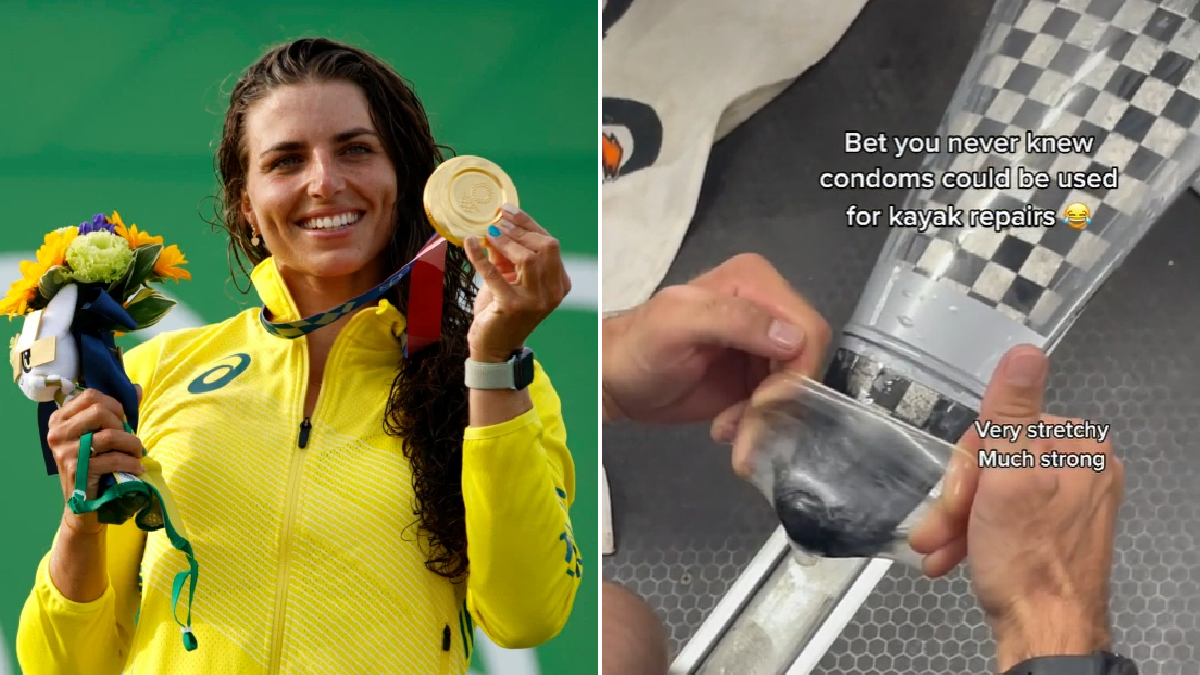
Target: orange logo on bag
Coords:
[(611, 154)]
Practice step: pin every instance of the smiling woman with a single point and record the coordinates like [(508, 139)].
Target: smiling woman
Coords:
[(331, 471), (320, 189)]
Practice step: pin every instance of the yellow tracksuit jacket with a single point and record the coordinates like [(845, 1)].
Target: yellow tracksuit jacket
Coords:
[(309, 561)]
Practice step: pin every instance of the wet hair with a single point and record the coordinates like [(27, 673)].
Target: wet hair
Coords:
[(427, 404)]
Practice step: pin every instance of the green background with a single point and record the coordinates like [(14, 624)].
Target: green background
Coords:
[(119, 106)]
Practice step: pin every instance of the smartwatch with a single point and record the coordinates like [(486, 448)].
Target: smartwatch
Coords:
[(515, 373), (1096, 663)]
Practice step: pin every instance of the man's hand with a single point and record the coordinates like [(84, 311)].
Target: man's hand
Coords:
[(1039, 540), (696, 352)]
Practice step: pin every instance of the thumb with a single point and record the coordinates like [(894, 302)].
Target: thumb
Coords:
[(1016, 393), (701, 317), (1014, 396)]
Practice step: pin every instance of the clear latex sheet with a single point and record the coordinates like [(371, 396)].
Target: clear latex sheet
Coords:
[(846, 481)]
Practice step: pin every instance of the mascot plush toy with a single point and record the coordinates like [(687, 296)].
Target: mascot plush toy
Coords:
[(45, 358), (89, 283)]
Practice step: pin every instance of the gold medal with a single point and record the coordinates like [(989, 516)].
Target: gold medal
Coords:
[(464, 195)]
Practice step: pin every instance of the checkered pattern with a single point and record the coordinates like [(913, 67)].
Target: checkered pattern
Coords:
[(1119, 71), (294, 329), (874, 385)]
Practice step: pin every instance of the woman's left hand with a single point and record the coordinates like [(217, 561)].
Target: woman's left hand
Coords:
[(524, 280)]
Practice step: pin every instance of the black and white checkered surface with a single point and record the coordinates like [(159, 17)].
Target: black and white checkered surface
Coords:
[(1118, 71), (873, 384)]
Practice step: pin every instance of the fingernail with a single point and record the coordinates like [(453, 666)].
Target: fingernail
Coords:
[(493, 230), (509, 209), (1023, 370), (727, 432), (785, 335), (471, 243), (506, 225)]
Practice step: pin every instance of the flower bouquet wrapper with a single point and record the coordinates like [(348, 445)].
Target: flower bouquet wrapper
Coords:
[(89, 284)]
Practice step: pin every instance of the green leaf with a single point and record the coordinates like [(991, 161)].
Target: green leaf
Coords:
[(142, 295), (148, 307), (120, 289), (144, 259), (52, 281)]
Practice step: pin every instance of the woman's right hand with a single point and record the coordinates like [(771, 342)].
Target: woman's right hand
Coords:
[(113, 448)]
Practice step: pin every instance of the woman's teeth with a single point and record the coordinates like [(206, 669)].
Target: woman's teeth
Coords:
[(334, 223)]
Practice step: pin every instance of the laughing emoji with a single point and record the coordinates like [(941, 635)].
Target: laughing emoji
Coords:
[(1077, 216)]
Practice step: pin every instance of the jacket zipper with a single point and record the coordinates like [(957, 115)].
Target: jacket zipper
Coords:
[(295, 473), (447, 642), (305, 430)]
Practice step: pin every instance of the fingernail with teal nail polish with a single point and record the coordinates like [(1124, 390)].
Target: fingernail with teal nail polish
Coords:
[(493, 230)]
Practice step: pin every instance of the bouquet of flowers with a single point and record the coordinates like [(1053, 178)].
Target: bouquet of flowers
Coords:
[(105, 253), (88, 284)]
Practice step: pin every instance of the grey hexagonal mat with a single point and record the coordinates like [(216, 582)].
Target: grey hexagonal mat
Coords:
[(686, 527)]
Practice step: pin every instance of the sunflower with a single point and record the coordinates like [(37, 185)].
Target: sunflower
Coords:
[(169, 264), (131, 233), (52, 253), (23, 290)]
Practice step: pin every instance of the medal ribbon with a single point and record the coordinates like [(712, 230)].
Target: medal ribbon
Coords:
[(424, 320)]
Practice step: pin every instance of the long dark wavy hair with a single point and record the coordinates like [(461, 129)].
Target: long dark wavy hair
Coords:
[(427, 405)]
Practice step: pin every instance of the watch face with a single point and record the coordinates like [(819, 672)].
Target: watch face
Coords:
[(523, 369)]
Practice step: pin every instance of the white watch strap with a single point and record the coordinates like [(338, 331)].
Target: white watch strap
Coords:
[(490, 375)]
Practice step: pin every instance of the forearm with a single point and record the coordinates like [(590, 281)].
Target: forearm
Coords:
[(525, 568), (488, 407), (1051, 629), (77, 562), (611, 328), (609, 410), (69, 624)]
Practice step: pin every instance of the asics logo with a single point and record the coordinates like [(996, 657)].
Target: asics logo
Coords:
[(221, 375)]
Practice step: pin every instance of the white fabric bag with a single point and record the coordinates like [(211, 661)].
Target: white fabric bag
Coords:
[(678, 76)]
